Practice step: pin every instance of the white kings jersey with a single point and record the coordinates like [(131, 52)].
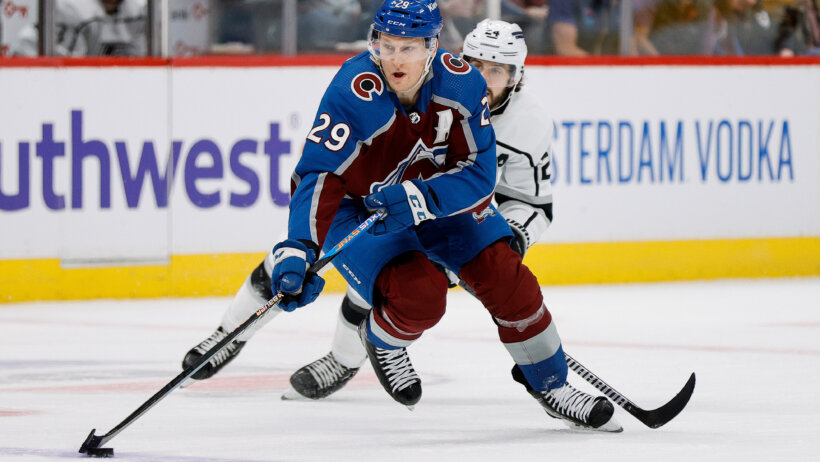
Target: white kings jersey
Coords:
[(524, 149)]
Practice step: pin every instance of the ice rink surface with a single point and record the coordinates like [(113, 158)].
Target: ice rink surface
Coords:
[(68, 367)]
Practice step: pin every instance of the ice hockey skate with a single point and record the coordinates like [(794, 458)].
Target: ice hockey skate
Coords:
[(394, 370), (218, 361), (319, 379), (578, 410)]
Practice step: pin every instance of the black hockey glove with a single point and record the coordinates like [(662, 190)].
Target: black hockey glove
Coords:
[(521, 238)]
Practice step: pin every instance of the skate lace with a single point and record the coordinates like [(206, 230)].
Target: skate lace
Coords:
[(327, 370), (209, 343), (397, 367), (571, 402)]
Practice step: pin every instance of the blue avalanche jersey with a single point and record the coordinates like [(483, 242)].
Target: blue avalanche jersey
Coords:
[(363, 139)]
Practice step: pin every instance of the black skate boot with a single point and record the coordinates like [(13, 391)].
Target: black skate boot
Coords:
[(218, 361), (320, 379), (394, 370), (577, 409)]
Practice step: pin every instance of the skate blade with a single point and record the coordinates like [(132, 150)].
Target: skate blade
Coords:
[(411, 407), (292, 395), (187, 382), (612, 426)]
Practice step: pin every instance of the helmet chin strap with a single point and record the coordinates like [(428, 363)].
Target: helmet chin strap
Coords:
[(509, 91), (415, 87)]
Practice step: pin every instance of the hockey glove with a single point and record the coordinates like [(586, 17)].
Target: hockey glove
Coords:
[(407, 204), (521, 238), (291, 259)]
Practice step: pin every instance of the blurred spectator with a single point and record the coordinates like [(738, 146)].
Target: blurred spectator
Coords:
[(669, 27), (531, 15), (92, 28), (459, 18), (582, 27), (738, 27), (324, 23), (369, 8), (245, 26), (235, 23), (721, 27), (799, 29)]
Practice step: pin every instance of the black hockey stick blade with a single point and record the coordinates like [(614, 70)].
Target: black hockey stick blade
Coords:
[(91, 446), (658, 417), (654, 418)]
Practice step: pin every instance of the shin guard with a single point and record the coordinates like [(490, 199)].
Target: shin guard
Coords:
[(513, 297)]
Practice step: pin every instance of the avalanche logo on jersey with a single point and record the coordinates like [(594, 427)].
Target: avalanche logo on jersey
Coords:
[(455, 64), (420, 152), (482, 215), (365, 84)]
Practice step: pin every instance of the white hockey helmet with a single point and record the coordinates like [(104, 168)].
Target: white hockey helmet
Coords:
[(499, 42)]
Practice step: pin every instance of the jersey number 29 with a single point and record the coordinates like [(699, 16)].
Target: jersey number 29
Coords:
[(338, 135)]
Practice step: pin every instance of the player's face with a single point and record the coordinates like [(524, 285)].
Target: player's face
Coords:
[(403, 60), (499, 79)]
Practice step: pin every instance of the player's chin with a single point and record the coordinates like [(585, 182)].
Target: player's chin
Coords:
[(399, 83), (491, 98)]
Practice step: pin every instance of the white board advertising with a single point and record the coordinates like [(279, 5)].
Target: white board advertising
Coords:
[(72, 182), (253, 123), (136, 164), (669, 153)]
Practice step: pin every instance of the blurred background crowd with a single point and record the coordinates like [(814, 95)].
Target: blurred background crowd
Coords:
[(552, 27)]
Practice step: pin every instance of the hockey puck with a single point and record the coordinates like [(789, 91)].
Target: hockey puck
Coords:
[(100, 452)]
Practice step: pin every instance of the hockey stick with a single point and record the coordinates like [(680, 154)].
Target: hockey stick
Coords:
[(91, 445), (653, 418)]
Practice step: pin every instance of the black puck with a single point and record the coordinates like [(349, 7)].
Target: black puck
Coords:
[(100, 452)]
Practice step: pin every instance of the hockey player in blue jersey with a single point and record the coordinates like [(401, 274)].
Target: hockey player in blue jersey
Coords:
[(405, 128), (523, 192)]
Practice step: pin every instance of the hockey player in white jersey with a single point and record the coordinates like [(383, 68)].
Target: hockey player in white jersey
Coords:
[(523, 192)]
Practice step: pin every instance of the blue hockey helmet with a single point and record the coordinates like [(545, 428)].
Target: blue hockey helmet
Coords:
[(408, 18)]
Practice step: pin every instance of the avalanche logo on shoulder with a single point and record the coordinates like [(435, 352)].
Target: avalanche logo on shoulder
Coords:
[(455, 64), (365, 84)]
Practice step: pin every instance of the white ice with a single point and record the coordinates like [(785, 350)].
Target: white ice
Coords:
[(68, 367)]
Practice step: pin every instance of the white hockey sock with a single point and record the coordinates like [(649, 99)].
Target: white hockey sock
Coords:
[(347, 347), (243, 305)]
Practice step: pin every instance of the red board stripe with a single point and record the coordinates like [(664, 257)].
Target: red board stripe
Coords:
[(337, 60)]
